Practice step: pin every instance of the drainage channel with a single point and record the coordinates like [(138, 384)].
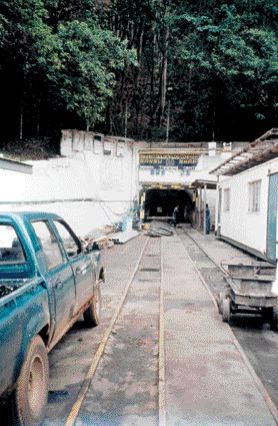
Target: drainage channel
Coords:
[(123, 383), (258, 341)]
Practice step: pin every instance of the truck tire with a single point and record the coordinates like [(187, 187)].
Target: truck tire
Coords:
[(93, 312), (31, 392)]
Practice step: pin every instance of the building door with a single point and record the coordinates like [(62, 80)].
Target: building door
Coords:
[(272, 216)]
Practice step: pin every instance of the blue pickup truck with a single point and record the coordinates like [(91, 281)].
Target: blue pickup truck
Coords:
[(47, 280)]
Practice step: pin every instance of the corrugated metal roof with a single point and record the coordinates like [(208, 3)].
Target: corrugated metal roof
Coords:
[(261, 150)]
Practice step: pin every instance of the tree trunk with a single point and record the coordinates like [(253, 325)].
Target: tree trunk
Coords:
[(213, 120), (21, 121), (164, 69), (139, 51), (38, 117)]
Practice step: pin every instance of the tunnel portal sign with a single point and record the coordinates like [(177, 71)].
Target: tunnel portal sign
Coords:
[(180, 160)]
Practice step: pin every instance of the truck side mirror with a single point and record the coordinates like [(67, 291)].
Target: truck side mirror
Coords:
[(94, 246)]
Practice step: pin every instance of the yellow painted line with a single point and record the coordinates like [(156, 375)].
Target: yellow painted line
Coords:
[(161, 360), (87, 381)]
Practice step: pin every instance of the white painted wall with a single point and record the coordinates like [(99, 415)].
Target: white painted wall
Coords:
[(86, 187), (245, 227), (173, 175), (89, 190)]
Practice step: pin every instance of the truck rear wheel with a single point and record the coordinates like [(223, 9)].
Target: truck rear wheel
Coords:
[(30, 396), (93, 312)]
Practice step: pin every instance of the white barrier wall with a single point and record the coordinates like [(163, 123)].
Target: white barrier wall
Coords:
[(238, 224), (89, 187), (93, 184)]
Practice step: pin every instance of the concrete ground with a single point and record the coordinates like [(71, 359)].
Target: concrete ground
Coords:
[(208, 381), (258, 341)]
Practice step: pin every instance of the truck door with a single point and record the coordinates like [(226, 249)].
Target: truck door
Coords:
[(58, 274), (82, 266)]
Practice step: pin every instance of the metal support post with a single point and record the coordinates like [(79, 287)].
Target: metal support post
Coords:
[(204, 204)]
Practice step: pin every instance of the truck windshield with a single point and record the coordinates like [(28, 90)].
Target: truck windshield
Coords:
[(11, 251)]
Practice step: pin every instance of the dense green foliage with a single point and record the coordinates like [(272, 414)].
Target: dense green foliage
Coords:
[(58, 65), (123, 66)]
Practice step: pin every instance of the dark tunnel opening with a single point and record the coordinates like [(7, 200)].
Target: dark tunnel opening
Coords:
[(161, 203)]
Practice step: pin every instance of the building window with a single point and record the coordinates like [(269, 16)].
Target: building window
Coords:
[(254, 196), (227, 199)]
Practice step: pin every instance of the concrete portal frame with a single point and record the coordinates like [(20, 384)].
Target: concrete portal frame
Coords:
[(158, 186)]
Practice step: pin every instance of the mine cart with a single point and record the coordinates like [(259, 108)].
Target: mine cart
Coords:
[(248, 291)]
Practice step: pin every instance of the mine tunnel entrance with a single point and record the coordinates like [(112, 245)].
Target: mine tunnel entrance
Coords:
[(160, 203)]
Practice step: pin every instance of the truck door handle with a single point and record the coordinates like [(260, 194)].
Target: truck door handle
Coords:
[(58, 283)]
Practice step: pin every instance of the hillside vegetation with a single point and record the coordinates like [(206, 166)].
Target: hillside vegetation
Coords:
[(123, 66)]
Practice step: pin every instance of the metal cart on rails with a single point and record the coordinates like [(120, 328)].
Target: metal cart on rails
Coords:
[(248, 291)]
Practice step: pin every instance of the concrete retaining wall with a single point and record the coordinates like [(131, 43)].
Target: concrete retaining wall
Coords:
[(92, 185)]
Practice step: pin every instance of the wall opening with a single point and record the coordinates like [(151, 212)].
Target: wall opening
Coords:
[(160, 203)]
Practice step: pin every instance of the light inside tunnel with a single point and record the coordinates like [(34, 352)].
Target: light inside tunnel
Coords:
[(161, 203)]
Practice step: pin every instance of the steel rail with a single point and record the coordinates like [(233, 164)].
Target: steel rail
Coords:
[(201, 248), (161, 348), (257, 381), (99, 353)]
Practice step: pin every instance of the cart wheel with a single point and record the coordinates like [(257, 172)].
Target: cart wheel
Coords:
[(267, 314), (274, 324), (219, 300), (226, 309)]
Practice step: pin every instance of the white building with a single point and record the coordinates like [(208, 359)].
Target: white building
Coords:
[(178, 174), (97, 178), (246, 213)]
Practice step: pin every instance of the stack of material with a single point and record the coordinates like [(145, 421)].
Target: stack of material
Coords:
[(146, 226), (118, 233), (104, 242), (108, 229), (124, 237)]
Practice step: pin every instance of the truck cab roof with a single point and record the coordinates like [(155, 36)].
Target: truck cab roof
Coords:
[(29, 215)]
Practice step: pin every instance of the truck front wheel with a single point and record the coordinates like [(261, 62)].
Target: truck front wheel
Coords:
[(92, 313), (30, 396)]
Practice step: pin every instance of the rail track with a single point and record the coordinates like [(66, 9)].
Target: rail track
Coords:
[(150, 261), (125, 379), (264, 382)]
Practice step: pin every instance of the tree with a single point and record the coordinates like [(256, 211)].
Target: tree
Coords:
[(109, 64), (59, 61), (233, 61), (89, 58)]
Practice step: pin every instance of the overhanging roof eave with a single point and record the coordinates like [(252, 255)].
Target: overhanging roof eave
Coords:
[(256, 153)]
